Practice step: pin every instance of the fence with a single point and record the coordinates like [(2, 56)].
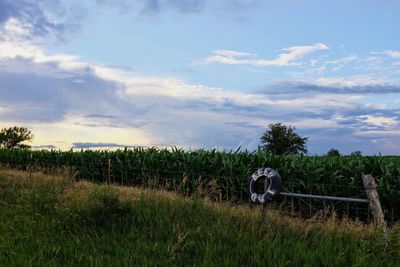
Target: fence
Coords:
[(224, 176)]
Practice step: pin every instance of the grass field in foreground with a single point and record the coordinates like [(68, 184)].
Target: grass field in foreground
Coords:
[(50, 221)]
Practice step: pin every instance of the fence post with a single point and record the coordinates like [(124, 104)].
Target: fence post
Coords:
[(30, 167), (374, 203), (109, 172)]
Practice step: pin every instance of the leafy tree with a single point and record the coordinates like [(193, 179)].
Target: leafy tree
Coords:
[(356, 153), (14, 136), (333, 152), (283, 140)]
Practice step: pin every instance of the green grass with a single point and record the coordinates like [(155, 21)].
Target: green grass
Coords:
[(49, 221)]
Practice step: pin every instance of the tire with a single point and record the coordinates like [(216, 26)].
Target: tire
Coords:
[(274, 187)]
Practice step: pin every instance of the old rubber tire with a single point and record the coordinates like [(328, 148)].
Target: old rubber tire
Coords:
[(273, 189)]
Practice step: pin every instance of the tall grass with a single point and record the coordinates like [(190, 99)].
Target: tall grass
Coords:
[(227, 173), (52, 222)]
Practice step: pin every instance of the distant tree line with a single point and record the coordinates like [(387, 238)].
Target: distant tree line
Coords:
[(278, 139)]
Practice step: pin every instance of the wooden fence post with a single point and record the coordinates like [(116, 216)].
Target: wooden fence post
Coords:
[(30, 167), (109, 172), (373, 198)]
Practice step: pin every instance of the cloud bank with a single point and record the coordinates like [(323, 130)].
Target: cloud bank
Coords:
[(323, 85), (72, 102)]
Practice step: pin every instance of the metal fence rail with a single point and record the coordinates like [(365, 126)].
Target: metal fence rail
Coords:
[(346, 199)]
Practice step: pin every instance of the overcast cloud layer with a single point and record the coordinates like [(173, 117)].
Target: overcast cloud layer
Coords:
[(72, 102)]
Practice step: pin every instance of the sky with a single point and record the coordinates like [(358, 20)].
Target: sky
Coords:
[(201, 73)]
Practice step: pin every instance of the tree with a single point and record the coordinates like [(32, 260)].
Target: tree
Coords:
[(283, 140), (356, 153), (333, 152), (14, 136)]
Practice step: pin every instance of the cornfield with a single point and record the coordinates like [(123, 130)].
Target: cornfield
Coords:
[(224, 175)]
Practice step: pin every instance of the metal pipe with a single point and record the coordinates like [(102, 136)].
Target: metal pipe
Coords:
[(348, 199)]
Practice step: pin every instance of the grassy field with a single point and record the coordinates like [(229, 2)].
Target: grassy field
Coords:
[(52, 221)]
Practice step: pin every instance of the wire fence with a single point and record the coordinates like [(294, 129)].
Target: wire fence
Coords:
[(204, 185), (215, 181)]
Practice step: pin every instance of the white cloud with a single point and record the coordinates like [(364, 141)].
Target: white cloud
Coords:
[(13, 29), (295, 52), (40, 21), (288, 57), (232, 53), (357, 80), (338, 64), (379, 120), (393, 53), (342, 60), (21, 49)]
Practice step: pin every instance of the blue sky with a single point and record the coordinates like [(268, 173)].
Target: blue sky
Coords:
[(202, 73)]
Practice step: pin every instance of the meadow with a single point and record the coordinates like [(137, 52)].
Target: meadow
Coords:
[(54, 221)]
